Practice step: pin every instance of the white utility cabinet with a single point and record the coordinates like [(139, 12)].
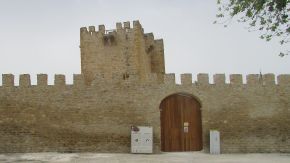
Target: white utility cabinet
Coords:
[(141, 139), (214, 142)]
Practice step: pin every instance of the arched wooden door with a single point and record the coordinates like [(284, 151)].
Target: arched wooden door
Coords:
[(180, 123)]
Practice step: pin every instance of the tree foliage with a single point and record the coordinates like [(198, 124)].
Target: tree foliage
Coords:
[(271, 17)]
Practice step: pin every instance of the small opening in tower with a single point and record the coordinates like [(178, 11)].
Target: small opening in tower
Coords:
[(125, 76), (109, 40), (150, 48)]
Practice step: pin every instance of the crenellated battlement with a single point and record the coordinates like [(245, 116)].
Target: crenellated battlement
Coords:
[(253, 79), (186, 79), (234, 79), (8, 80), (284, 79), (123, 83), (24, 80), (166, 79), (59, 80), (127, 55), (122, 30), (42, 79), (88, 33), (124, 50)]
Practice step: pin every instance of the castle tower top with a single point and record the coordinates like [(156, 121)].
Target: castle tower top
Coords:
[(124, 50)]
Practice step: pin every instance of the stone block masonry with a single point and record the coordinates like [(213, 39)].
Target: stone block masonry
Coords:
[(123, 82), (97, 118), (124, 50)]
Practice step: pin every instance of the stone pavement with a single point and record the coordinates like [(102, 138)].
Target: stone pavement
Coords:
[(191, 157)]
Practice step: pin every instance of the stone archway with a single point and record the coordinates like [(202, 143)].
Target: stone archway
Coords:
[(181, 128)]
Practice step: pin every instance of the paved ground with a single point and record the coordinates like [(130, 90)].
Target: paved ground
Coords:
[(188, 157)]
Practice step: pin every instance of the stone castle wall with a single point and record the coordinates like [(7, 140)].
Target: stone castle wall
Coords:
[(251, 117), (123, 82), (124, 50)]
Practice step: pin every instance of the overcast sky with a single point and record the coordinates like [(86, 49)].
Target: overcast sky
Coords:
[(42, 36)]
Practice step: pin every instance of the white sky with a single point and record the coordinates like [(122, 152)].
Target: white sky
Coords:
[(42, 36)]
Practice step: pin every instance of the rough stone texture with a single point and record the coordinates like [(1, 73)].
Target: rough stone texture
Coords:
[(95, 114), (127, 51), (251, 118)]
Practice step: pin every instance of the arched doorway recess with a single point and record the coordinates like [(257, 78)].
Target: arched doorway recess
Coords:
[(181, 129)]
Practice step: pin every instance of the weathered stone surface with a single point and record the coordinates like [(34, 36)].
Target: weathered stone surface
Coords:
[(123, 51), (90, 118), (96, 112)]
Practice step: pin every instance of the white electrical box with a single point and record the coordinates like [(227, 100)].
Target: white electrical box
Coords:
[(214, 142), (141, 139)]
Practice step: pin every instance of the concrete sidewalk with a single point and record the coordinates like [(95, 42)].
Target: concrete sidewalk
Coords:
[(192, 157)]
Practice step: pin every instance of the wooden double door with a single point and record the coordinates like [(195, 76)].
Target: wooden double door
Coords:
[(180, 123)]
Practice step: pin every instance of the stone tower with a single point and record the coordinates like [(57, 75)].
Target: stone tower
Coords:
[(124, 51)]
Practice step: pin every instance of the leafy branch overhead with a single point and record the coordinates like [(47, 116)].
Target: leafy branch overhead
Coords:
[(271, 17)]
